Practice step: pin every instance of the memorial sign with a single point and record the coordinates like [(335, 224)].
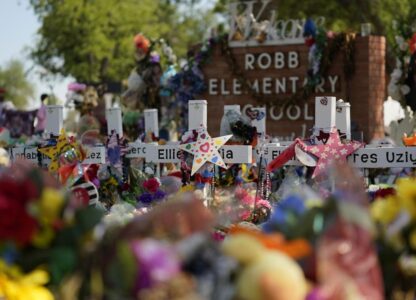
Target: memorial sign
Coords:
[(275, 70)]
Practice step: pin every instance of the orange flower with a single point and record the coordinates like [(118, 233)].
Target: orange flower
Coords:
[(296, 248), (141, 42)]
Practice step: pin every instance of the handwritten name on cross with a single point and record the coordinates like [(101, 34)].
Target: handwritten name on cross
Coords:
[(54, 124), (329, 113), (170, 153)]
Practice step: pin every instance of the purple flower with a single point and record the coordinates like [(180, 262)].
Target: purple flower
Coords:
[(146, 198), (159, 195), (96, 182), (157, 263)]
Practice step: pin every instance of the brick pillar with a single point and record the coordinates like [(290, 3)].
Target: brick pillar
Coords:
[(367, 88)]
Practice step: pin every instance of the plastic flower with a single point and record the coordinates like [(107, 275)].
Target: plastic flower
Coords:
[(187, 188), (15, 222), (151, 184), (396, 74), (146, 198), (141, 42), (412, 44), (240, 193), (383, 193), (262, 202), (403, 46), (405, 89), (158, 263), (412, 239), (244, 214), (43, 237), (385, 210), (50, 205), (294, 203), (248, 200), (406, 191), (16, 286), (159, 195)]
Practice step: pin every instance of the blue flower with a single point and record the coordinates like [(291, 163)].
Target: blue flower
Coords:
[(310, 28), (207, 174), (9, 254), (146, 198), (294, 203)]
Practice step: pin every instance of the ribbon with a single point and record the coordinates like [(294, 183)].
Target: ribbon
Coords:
[(284, 157)]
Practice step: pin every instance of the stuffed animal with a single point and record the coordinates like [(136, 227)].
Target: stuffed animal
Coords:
[(266, 274)]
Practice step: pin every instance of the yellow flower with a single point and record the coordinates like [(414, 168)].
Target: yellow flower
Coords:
[(17, 286), (43, 237), (412, 239), (50, 205), (406, 192), (385, 210), (187, 188)]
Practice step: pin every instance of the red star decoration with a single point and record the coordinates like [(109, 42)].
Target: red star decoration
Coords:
[(334, 149)]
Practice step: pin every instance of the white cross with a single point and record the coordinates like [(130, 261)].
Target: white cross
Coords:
[(327, 114), (54, 124), (170, 153)]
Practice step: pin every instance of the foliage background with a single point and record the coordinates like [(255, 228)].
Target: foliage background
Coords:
[(91, 40), (19, 90)]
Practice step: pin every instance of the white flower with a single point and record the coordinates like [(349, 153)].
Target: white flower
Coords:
[(407, 60), (393, 90), (398, 63), (405, 89), (397, 73), (399, 39), (403, 46), (149, 171)]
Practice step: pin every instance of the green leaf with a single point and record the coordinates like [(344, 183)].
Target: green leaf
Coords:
[(62, 261), (87, 218)]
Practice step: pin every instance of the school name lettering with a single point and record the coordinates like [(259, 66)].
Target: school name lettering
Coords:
[(276, 85)]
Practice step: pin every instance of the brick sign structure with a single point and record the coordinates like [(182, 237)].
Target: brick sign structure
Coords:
[(278, 71)]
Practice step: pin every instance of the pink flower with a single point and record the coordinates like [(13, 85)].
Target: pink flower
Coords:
[(240, 193), (248, 200), (330, 34), (262, 202), (244, 214)]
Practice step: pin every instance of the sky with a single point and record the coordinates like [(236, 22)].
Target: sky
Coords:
[(18, 27)]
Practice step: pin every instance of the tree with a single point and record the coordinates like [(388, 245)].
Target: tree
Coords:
[(18, 88), (342, 15), (92, 40)]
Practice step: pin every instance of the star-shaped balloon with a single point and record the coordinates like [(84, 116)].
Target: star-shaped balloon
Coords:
[(205, 149), (54, 152), (334, 149)]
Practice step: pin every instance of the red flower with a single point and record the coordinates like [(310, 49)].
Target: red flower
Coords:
[(151, 185), (309, 41), (18, 191), (383, 193), (412, 44), (125, 187), (15, 223)]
